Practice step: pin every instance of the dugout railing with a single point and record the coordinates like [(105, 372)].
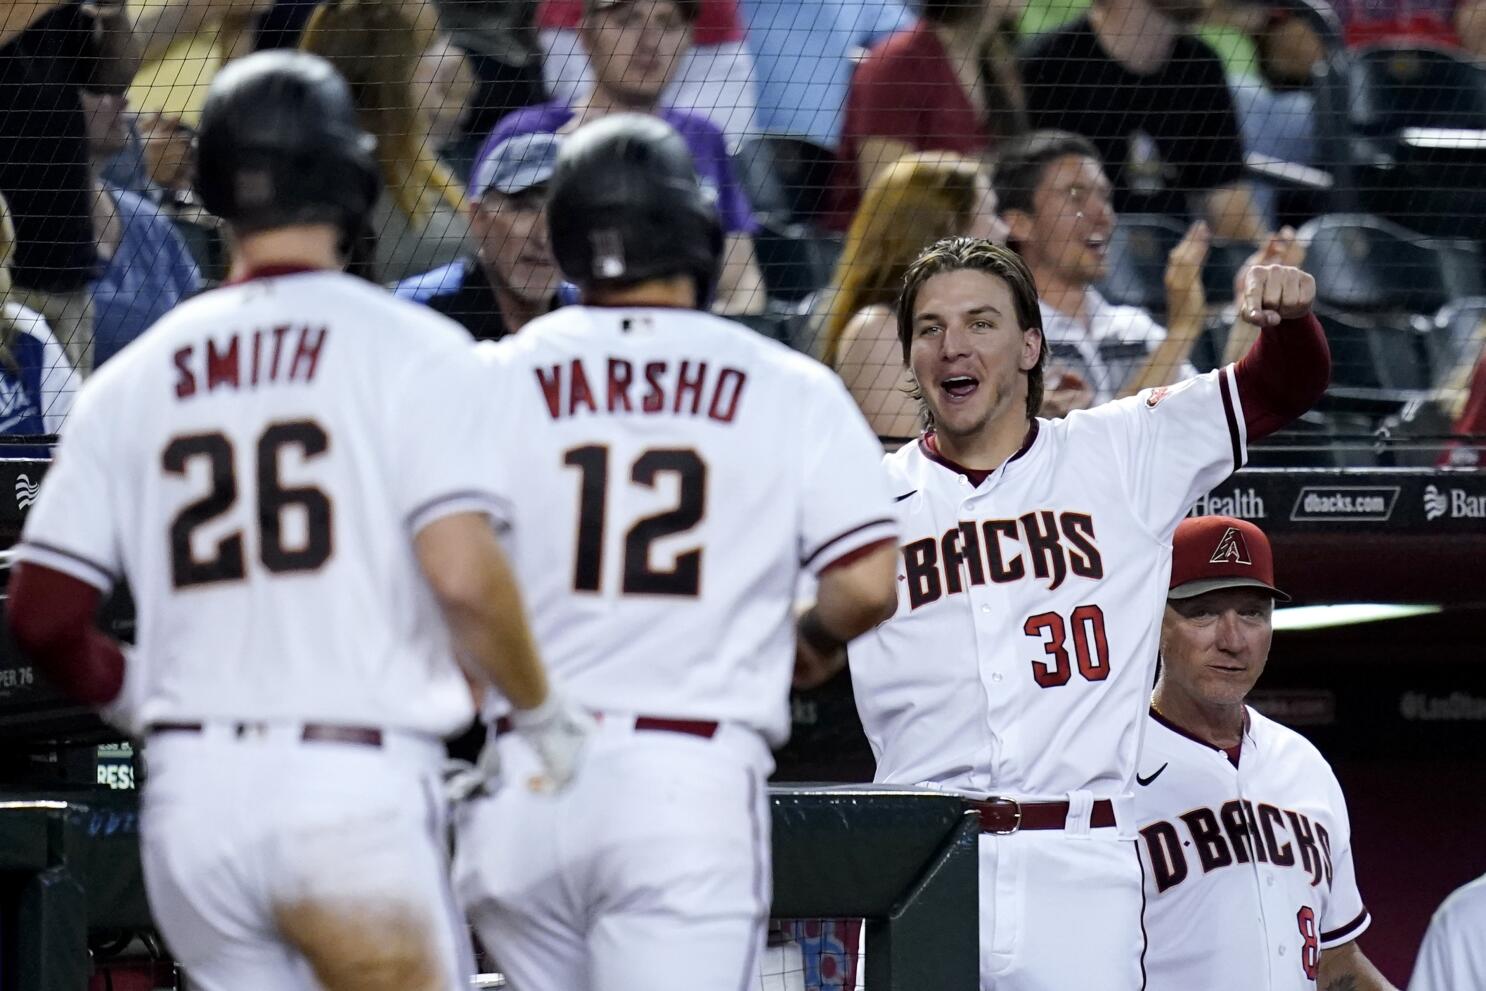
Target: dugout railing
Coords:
[(903, 861)]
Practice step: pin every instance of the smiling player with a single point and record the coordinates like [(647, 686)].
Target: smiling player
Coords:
[(1035, 562)]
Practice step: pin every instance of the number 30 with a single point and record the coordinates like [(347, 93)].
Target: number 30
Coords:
[(1090, 646)]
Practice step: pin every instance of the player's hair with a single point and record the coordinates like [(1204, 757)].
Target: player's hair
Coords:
[(955, 254), (1021, 162), (917, 200), (373, 45)]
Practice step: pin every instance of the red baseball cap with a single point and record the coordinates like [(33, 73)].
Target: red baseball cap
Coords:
[(1213, 552)]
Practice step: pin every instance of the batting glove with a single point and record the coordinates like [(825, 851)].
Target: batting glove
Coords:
[(558, 731)]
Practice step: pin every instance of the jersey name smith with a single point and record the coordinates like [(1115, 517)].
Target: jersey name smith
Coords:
[(1237, 832), (1042, 545), (285, 353)]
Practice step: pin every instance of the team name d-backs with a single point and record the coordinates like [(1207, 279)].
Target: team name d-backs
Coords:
[(244, 361), (1238, 833), (1044, 544), (685, 388)]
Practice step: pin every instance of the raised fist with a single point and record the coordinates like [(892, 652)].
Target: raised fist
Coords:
[(1272, 293)]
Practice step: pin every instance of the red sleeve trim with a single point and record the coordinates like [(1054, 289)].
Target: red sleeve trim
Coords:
[(1284, 374), (851, 557), (50, 615), (1345, 932)]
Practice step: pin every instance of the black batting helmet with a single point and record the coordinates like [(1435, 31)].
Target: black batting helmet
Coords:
[(625, 205), (279, 145)]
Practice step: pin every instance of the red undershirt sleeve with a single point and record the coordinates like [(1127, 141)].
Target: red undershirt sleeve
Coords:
[(51, 617), (1284, 374)]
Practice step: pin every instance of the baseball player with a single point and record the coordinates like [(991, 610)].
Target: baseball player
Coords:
[(1453, 954), (278, 469), (663, 501), (1018, 665), (1244, 833)]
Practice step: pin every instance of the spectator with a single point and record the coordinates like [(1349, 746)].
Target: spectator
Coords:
[(37, 382), (146, 267), (500, 40), (1154, 100), (1293, 47), (511, 277), (715, 77), (912, 203), (376, 45), (44, 169), (634, 46), (1055, 198), (1470, 421), (804, 54), (947, 84)]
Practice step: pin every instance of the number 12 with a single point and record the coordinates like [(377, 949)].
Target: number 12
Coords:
[(640, 578)]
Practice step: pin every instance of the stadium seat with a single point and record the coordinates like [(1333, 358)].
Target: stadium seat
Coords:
[(1415, 123), (787, 178), (796, 261), (1364, 264), (1374, 354), (1394, 88)]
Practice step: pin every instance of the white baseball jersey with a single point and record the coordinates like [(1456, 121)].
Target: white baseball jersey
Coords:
[(668, 474), (256, 466), (1248, 867), (1453, 954), (1023, 650)]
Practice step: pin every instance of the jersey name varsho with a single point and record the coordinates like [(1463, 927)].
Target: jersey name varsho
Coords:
[(284, 353), (618, 385), (991, 550), (1238, 833)]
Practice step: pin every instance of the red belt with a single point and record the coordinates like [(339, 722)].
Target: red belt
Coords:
[(364, 736), (706, 729), (1007, 815)]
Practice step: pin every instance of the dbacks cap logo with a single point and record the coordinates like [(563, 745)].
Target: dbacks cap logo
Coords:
[(1231, 548)]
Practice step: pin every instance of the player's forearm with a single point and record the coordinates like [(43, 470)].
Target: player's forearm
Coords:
[(1284, 374), (496, 638), (1346, 968), (853, 596), (50, 616), (467, 570)]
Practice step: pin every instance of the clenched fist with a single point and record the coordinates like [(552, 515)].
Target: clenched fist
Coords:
[(1272, 293)]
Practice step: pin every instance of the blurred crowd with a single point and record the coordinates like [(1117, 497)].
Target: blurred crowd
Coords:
[(1138, 153)]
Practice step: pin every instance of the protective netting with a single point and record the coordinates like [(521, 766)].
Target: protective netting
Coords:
[(840, 138)]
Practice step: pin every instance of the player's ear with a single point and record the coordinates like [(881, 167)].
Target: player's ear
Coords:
[(1031, 349)]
